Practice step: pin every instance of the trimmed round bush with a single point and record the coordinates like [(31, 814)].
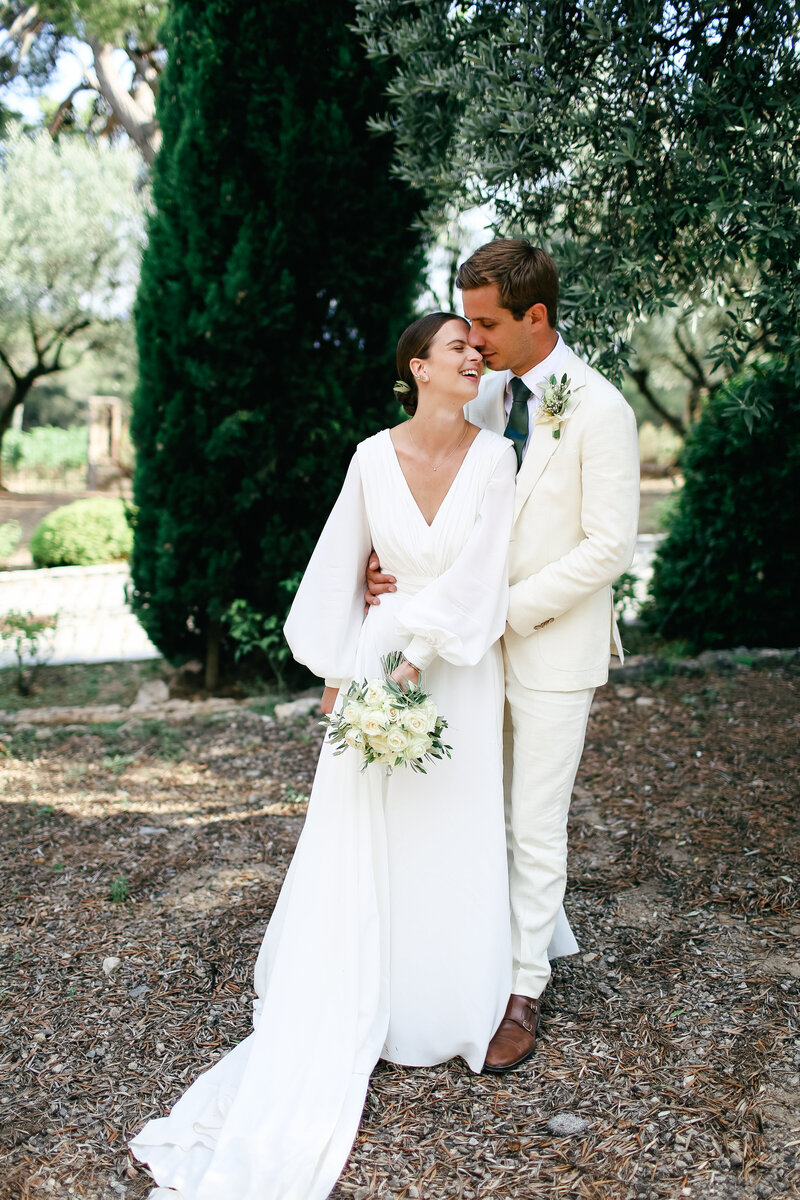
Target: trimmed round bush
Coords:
[(83, 533), (728, 572)]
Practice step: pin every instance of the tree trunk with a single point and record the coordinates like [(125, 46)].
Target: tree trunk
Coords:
[(693, 401), (137, 117), (213, 641), (641, 378), (20, 390), (25, 26)]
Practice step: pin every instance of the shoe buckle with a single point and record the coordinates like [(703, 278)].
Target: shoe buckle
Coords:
[(529, 1028)]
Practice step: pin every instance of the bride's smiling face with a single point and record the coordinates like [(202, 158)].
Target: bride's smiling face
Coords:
[(451, 365)]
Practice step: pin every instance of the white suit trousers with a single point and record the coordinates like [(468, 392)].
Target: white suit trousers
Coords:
[(544, 736)]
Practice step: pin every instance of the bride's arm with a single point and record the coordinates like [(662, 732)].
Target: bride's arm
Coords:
[(325, 619), (405, 673), (462, 613)]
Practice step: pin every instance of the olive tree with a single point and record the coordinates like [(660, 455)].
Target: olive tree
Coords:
[(70, 234), (651, 146), (123, 86)]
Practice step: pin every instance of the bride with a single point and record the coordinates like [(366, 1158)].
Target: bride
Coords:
[(390, 938)]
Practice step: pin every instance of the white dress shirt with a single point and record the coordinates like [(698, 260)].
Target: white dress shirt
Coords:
[(537, 378)]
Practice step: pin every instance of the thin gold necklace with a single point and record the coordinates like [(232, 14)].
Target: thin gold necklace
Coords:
[(449, 452)]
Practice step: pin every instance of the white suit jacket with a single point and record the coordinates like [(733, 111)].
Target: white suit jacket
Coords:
[(574, 531)]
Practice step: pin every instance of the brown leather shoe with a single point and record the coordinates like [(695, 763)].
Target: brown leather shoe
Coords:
[(515, 1039)]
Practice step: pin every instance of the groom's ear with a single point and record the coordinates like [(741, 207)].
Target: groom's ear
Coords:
[(536, 316)]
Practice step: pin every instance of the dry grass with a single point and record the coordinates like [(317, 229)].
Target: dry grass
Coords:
[(674, 1033)]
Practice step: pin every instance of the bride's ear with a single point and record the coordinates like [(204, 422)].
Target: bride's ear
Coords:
[(417, 368)]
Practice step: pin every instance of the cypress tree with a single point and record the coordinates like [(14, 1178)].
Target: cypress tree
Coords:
[(281, 266)]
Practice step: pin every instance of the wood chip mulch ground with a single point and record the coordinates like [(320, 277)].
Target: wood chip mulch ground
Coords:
[(670, 1052)]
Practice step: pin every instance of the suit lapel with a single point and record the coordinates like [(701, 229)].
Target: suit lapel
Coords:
[(543, 445), (541, 449)]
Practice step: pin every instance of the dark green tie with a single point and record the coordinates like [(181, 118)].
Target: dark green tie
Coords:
[(517, 427)]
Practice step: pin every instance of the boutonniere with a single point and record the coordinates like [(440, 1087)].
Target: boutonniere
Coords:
[(553, 404)]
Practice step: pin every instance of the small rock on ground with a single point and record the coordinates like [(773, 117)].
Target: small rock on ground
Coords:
[(566, 1125), (153, 692), (297, 708)]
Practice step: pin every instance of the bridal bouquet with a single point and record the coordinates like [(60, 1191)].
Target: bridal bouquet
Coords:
[(387, 724)]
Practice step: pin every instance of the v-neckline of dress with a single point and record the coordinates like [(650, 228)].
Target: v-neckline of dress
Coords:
[(430, 524)]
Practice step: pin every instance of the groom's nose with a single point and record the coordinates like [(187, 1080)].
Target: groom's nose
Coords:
[(474, 337)]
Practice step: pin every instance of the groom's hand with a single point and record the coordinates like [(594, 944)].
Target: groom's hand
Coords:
[(377, 582)]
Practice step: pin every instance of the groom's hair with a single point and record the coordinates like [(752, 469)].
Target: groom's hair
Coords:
[(524, 275)]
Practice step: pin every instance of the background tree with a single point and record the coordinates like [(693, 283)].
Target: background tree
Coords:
[(281, 266), (671, 363), (650, 146), (127, 61), (70, 236)]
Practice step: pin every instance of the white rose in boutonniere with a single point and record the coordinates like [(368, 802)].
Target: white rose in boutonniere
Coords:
[(554, 402)]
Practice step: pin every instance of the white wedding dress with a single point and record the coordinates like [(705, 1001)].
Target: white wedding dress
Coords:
[(390, 938)]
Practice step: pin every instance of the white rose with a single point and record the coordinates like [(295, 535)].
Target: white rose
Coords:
[(431, 714), (416, 721), (397, 740), (378, 744), (351, 713), (375, 695), (373, 722), (418, 746), (382, 756), (354, 738)]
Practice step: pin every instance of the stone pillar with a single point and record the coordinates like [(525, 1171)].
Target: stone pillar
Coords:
[(105, 439)]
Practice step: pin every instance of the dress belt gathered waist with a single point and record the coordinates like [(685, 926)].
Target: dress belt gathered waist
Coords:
[(409, 585)]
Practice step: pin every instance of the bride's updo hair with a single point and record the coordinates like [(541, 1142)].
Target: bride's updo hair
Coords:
[(415, 342)]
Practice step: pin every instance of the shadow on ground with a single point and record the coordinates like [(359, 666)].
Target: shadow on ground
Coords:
[(673, 1034)]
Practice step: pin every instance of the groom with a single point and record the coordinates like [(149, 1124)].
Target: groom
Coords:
[(574, 532)]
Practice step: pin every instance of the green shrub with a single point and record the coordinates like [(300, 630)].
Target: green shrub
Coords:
[(79, 534), (255, 634), (31, 639), (45, 450), (728, 571)]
